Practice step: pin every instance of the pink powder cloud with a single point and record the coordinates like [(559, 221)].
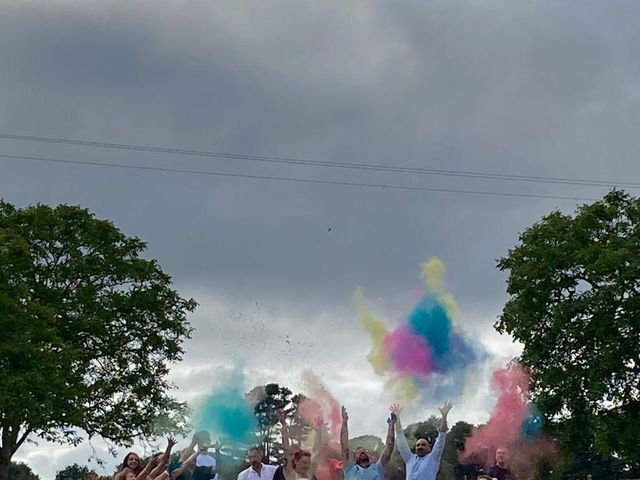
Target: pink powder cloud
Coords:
[(408, 352)]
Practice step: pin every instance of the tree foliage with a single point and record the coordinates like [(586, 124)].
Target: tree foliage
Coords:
[(454, 446), (21, 471), (374, 445), (273, 398), (89, 329), (574, 287), (427, 430), (74, 472), (299, 428)]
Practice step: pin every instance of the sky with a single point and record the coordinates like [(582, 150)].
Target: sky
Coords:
[(546, 89)]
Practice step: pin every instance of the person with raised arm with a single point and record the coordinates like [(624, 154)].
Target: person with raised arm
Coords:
[(198, 442), (303, 464), (176, 467), (359, 466), (160, 462), (425, 463)]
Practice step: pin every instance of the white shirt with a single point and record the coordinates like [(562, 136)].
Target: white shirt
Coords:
[(266, 473), (417, 467), (206, 460)]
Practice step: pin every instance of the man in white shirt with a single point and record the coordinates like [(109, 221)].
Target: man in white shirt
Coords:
[(257, 470), (424, 464)]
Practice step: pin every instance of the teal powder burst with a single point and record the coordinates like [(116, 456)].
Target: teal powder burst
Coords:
[(226, 412)]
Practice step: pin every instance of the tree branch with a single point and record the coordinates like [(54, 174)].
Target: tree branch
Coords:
[(22, 438)]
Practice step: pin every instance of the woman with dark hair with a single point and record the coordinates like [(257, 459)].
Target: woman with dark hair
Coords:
[(132, 462)]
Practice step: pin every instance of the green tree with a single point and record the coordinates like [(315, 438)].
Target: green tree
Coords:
[(74, 472), (427, 430), (574, 287), (454, 446), (446, 471), (272, 398), (299, 428), (587, 462), (374, 445), (21, 471), (89, 329)]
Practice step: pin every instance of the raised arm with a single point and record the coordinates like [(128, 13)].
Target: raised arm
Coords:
[(159, 467), (187, 451), (344, 438), (403, 447), (391, 438), (164, 460), (444, 410), (286, 446), (147, 469), (192, 458), (174, 469), (438, 447), (317, 447)]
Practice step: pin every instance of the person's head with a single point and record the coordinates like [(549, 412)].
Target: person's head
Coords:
[(422, 447), (502, 455), (254, 455), (361, 457), (301, 462), (201, 439), (131, 461)]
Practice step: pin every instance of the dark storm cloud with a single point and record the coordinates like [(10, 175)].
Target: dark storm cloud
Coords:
[(530, 88)]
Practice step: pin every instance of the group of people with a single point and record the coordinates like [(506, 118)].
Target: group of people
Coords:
[(197, 463), (424, 464)]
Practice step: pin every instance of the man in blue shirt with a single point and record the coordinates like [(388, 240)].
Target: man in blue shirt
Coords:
[(425, 463), (359, 466)]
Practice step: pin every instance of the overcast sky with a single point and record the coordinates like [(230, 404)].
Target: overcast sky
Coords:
[(541, 88)]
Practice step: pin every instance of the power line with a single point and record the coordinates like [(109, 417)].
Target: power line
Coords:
[(316, 163), (290, 179)]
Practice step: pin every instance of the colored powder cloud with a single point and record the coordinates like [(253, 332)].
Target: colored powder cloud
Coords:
[(428, 350), (320, 402), (429, 319), (376, 329), (226, 411), (406, 389), (515, 424), (532, 425), (407, 351), (433, 271)]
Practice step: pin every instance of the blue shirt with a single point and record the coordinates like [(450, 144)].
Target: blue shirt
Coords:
[(353, 471), (421, 468)]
